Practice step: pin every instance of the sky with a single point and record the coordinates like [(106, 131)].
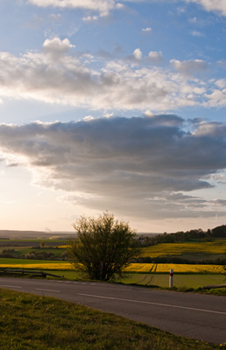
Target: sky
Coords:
[(113, 105)]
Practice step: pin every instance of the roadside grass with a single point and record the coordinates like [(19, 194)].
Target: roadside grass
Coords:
[(39, 323), (179, 280), (182, 282)]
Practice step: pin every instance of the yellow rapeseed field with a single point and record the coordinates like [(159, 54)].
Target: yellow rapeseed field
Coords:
[(52, 266), (163, 249), (177, 268)]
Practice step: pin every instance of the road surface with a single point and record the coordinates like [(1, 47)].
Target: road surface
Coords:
[(202, 317)]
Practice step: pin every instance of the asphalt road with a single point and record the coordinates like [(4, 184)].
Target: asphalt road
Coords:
[(202, 317)]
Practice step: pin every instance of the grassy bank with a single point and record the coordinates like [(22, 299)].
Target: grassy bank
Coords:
[(40, 323), (189, 280)]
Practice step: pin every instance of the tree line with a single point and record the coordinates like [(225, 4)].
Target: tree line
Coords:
[(181, 236)]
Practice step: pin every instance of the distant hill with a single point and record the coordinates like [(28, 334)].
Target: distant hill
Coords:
[(16, 234)]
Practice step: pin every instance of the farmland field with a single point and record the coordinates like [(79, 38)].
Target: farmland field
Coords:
[(189, 250), (189, 275), (19, 251), (178, 268), (34, 264), (157, 268), (32, 242)]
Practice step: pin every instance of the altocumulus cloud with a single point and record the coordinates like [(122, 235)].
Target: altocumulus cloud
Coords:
[(140, 166), (55, 76)]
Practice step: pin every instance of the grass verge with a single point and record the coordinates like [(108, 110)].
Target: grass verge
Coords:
[(40, 323), (140, 280)]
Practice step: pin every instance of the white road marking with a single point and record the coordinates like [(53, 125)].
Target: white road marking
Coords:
[(156, 304), (48, 290), (8, 286)]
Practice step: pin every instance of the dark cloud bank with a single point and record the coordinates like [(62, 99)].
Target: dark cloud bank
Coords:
[(139, 166)]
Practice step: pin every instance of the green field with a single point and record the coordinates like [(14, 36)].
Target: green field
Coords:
[(25, 250), (162, 280), (11, 261), (30, 322), (179, 280), (32, 241), (187, 250), (190, 250)]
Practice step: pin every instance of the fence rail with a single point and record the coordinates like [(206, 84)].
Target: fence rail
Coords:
[(28, 272), (215, 286)]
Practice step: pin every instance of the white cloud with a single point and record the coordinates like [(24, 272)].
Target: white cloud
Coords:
[(211, 5), (57, 46), (193, 20), (155, 56), (221, 83), (216, 98), (102, 6), (54, 76), (88, 118), (90, 18), (131, 165), (105, 6), (137, 54), (222, 63), (181, 10), (120, 6), (55, 17), (146, 30), (197, 34), (189, 67)]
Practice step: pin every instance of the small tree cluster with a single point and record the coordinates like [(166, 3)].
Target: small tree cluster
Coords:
[(103, 246)]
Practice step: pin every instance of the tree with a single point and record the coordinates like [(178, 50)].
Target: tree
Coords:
[(103, 247), (42, 244)]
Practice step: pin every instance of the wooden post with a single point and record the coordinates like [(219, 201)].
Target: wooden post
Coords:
[(171, 278)]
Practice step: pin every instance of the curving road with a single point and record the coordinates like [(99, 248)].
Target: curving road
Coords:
[(202, 317)]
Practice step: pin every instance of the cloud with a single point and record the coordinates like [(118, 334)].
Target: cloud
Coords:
[(134, 164), (189, 67), (211, 5), (57, 46), (222, 63), (90, 18), (193, 20), (155, 56), (181, 10), (101, 6), (105, 6), (54, 76), (221, 83), (137, 54), (197, 34), (55, 17), (216, 97), (147, 30)]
